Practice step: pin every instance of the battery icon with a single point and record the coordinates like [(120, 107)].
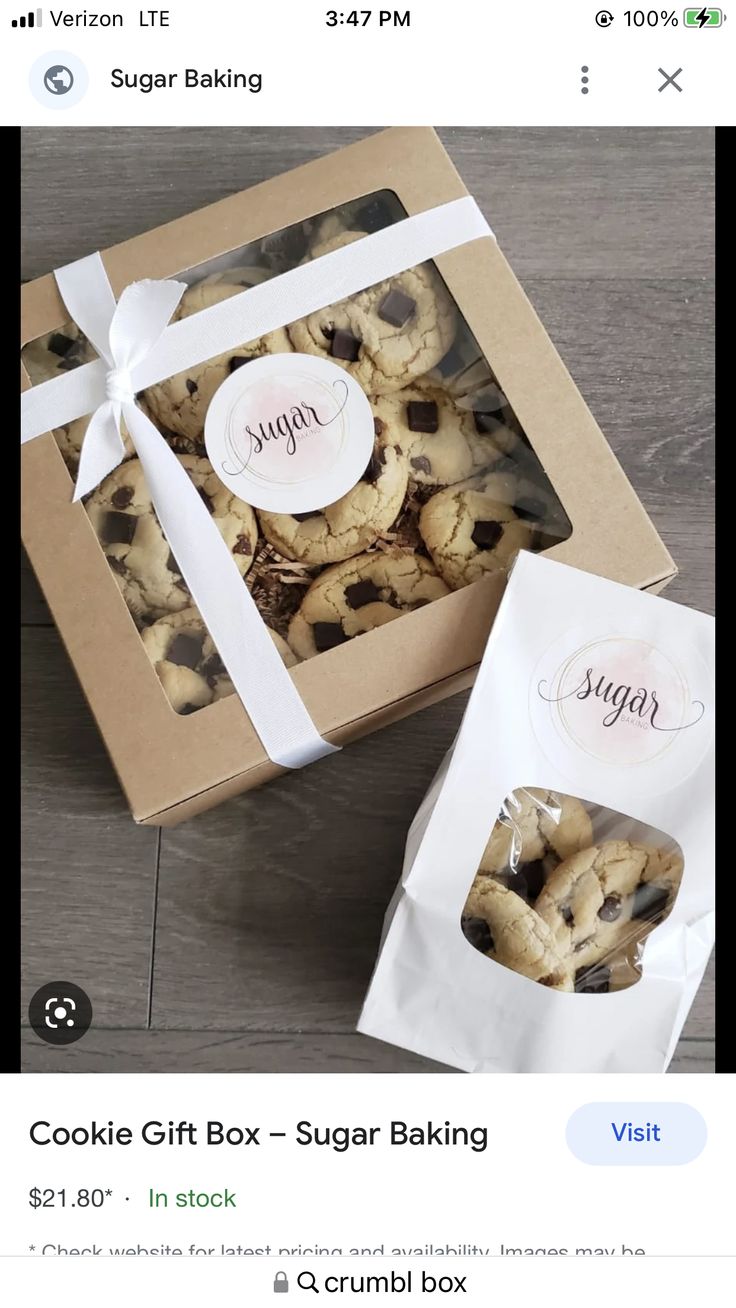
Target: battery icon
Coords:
[(703, 17)]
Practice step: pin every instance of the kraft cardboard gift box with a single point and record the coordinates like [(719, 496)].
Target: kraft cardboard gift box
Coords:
[(173, 767)]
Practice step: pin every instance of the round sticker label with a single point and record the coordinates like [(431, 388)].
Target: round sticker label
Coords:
[(289, 432), (620, 701)]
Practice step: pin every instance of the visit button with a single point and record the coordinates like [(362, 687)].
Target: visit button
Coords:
[(638, 1135)]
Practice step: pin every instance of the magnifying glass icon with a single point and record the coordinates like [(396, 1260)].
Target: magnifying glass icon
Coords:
[(307, 1281)]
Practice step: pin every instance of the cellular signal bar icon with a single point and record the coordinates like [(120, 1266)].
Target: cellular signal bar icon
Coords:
[(31, 20)]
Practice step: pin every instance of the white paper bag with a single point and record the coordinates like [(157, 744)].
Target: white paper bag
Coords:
[(587, 689)]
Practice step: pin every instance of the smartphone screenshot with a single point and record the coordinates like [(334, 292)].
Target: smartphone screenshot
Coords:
[(363, 942)]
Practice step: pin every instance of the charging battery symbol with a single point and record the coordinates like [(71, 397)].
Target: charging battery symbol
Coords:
[(703, 17)]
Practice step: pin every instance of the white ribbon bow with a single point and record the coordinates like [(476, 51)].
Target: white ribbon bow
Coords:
[(123, 334)]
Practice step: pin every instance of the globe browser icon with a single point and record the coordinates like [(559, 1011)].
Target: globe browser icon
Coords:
[(58, 79)]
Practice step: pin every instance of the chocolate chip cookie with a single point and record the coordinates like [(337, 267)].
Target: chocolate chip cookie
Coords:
[(146, 571), (479, 525), (445, 440), (387, 335), (604, 898), (56, 352), (187, 663), (535, 831), (180, 403), (352, 523), (363, 593), (502, 926), (70, 438)]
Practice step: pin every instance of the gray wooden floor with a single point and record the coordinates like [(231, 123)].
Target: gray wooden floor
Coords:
[(244, 939)]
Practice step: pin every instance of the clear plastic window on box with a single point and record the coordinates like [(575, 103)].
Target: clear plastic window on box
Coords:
[(567, 892), (452, 491)]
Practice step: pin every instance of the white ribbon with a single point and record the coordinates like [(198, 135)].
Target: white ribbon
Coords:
[(123, 334), (137, 349), (260, 309)]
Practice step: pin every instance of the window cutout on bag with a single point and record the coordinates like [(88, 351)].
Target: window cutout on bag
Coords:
[(567, 892), (452, 491)]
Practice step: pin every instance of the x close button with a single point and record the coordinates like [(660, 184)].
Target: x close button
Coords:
[(670, 79)]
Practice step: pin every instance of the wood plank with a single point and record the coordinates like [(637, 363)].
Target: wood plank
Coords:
[(34, 611), (694, 1056), (625, 344), (580, 202), (270, 907), (88, 871), (230, 1051)]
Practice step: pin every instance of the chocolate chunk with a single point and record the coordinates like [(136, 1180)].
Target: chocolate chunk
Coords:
[(486, 534), (285, 249), (328, 333), (186, 709), (122, 497), (421, 463), (182, 444), (118, 528), (304, 517), (61, 344), (373, 216), (205, 499), (117, 565), (375, 467), (593, 980), (530, 509), (69, 363), (237, 361), (478, 932), (533, 874), (422, 415), (361, 593), (214, 667), (519, 885), (185, 650), (610, 909), (379, 426), (567, 914), (345, 346), (327, 635), (650, 901), (192, 386), (172, 564), (515, 881), (396, 308), (242, 546), (485, 422)]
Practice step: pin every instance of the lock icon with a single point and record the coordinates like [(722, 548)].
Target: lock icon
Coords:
[(280, 1283)]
